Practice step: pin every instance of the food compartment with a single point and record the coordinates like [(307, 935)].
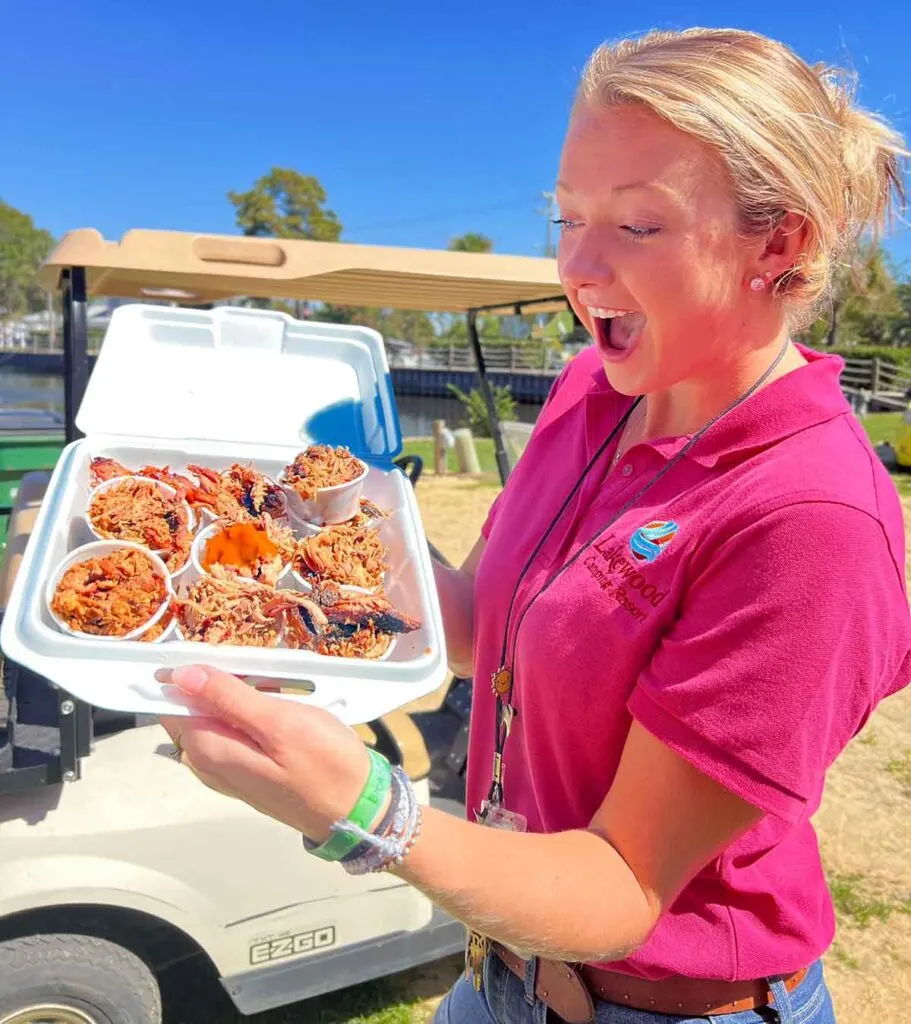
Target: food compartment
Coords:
[(384, 489)]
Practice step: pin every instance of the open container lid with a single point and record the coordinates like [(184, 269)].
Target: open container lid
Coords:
[(242, 375)]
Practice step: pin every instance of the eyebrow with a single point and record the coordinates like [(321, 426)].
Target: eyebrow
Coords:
[(629, 187)]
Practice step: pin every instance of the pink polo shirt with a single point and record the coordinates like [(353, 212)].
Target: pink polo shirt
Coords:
[(750, 612)]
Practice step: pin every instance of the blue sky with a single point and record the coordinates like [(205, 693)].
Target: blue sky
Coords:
[(422, 120)]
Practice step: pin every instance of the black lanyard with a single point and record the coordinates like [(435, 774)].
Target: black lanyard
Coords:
[(502, 679)]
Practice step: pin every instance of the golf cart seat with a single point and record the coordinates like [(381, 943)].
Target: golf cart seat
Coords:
[(395, 735), (21, 523)]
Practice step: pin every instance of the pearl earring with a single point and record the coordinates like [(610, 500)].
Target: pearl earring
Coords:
[(757, 284)]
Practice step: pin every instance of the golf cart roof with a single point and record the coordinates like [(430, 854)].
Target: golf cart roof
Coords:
[(195, 269)]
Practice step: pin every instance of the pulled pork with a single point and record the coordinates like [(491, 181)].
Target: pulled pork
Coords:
[(226, 612), (321, 466), (110, 595), (238, 493), (256, 550), (137, 510), (102, 469), (348, 555)]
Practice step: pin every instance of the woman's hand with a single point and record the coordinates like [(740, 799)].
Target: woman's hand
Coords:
[(455, 588), (297, 764)]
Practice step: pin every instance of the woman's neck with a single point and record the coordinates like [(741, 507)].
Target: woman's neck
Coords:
[(682, 409)]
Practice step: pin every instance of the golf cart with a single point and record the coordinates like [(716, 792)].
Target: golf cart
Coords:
[(114, 861)]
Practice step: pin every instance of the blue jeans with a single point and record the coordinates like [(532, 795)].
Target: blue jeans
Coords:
[(502, 1000)]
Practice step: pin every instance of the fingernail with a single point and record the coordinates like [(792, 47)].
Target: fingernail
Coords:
[(162, 675), (189, 678)]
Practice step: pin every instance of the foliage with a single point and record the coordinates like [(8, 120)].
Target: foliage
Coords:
[(23, 247), (401, 324), (286, 204), (899, 356), (868, 305), (476, 408), (483, 446), (471, 241)]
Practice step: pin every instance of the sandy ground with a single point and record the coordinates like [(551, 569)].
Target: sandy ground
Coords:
[(864, 823)]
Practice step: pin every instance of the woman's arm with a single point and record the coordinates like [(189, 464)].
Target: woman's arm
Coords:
[(456, 590), (585, 895)]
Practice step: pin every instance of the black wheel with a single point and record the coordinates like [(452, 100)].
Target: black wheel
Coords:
[(75, 979)]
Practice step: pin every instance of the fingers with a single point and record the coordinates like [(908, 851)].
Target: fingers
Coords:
[(216, 748), (224, 697)]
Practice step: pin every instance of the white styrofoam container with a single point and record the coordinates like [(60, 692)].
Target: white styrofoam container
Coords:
[(177, 386)]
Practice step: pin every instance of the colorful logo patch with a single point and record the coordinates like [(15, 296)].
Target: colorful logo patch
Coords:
[(650, 540)]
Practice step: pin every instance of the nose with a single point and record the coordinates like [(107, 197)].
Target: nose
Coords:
[(583, 263)]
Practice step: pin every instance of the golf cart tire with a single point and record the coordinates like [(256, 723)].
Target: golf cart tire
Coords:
[(107, 983)]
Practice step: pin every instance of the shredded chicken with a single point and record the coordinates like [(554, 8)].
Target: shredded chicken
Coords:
[(226, 612), (110, 595), (137, 510), (321, 466), (239, 493), (349, 555)]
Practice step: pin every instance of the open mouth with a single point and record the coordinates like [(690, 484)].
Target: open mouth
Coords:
[(617, 331)]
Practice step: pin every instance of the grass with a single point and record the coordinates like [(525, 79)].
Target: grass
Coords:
[(423, 447), (191, 995), (881, 426), (900, 768), (854, 901)]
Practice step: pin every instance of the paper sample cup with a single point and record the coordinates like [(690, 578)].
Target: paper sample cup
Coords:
[(97, 549), (165, 489), (331, 505)]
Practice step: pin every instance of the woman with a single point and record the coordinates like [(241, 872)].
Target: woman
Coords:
[(689, 597)]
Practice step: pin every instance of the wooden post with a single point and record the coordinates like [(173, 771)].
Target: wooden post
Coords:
[(874, 383), (466, 453), (439, 448)]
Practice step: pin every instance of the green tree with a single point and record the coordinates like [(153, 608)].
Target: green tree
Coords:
[(475, 408), (471, 241), (23, 247), (286, 204), (404, 324), (865, 304)]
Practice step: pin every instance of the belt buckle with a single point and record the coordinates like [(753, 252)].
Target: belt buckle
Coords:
[(476, 950)]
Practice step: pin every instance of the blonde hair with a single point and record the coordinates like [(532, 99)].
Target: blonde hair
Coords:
[(790, 135)]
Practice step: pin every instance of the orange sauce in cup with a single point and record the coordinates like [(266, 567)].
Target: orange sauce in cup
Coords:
[(240, 544)]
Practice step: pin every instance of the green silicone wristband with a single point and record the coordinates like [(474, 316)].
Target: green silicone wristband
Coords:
[(365, 811)]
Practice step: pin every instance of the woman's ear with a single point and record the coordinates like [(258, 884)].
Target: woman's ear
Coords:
[(787, 244)]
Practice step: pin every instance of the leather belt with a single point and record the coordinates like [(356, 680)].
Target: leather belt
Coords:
[(571, 992)]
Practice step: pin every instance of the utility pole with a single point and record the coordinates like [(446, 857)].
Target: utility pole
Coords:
[(549, 212)]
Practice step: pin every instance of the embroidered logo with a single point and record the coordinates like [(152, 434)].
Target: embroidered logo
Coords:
[(650, 540)]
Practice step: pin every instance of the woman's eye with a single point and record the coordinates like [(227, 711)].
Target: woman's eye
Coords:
[(639, 232)]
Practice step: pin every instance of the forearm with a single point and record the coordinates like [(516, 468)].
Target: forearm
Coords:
[(567, 896), (456, 591)]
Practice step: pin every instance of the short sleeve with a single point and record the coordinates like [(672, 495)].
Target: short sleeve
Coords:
[(791, 631)]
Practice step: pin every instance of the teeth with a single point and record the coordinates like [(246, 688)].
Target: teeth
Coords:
[(606, 314)]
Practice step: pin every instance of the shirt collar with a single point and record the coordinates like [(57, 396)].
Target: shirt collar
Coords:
[(803, 398)]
